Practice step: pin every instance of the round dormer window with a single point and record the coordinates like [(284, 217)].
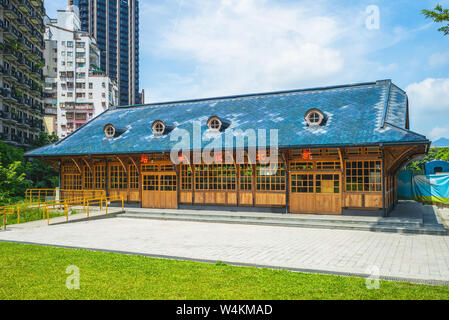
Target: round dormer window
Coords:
[(314, 117), (158, 128), (109, 131), (214, 124)]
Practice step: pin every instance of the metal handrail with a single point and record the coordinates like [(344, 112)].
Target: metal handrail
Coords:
[(62, 204)]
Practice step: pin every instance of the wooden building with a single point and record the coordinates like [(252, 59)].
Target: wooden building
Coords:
[(338, 148)]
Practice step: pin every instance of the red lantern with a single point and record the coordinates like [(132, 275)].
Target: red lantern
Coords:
[(144, 159), (261, 156), (307, 155), (219, 158)]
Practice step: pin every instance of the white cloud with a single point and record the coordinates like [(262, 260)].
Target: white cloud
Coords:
[(439, 59), (430, 94), (439, 132), (429, 106)]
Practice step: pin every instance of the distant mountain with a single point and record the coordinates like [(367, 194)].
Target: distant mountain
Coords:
[(440, 143)]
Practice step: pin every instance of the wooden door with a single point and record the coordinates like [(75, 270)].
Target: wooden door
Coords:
[(328, 193), (302, 193), (159, 190), (315, 193)]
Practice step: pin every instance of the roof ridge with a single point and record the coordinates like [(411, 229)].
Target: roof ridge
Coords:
[(405, 130), (261, 94), (386, 106)]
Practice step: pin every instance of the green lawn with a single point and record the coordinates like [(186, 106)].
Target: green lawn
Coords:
[(37, 272)]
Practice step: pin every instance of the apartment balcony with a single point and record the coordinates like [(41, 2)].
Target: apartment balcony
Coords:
[(24, 25), (10, 76), (8, 96), (11, 33), (8, 53), (10, 11), (37, 20), (38, 4), (24, 6)]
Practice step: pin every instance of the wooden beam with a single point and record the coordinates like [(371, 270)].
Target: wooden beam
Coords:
[(123, 164), (88, 165), (135, 164), (76, 164), (399, 158), (341, 159)]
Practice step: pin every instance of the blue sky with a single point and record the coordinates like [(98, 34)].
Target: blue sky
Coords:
[(204, 48)]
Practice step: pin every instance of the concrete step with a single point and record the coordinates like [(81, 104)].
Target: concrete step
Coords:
[(343, 223)]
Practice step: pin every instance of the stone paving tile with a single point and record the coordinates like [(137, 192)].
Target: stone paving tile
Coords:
[(397, 255)]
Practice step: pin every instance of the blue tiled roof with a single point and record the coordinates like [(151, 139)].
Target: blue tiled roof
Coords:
[(360, 114)]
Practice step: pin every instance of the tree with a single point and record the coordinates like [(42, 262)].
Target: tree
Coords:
[(44, 139), (33, 173), (12, 183), (438, 15), (417, 167)]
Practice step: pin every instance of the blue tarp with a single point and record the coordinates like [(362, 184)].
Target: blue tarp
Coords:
[(433, 188), (405, 185)]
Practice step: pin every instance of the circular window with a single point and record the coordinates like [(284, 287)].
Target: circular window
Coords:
[(109, 131), (214, 124), (158, 128), (314, 117)]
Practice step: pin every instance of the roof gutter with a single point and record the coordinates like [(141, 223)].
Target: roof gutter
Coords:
[(378, 144)]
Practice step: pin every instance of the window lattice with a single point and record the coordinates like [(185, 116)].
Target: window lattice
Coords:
[(215, 177), (133, 177), (246, 177), (118, 178), (88, 178), (327, 183), (100, 176), (186, 177), (302, 183), (364, 176), (270, 177), (71, 181)]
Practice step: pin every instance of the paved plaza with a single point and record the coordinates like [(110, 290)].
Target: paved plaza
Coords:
[(396, 256)]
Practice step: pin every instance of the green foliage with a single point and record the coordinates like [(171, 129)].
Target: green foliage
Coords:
[(38, 273), (11, 182), (44, 139), (438, 15), (18, 174), (417, 167)]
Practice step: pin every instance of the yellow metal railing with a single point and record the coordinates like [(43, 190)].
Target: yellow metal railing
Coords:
[(42, 195), (66, 204)]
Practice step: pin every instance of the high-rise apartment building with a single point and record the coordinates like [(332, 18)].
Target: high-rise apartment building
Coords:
[(115, 25), (76, 90), (21, 77)]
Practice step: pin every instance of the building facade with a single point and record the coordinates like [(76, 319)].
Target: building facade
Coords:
[(115, 25), (75, 89), (325, 151), (21, 77)]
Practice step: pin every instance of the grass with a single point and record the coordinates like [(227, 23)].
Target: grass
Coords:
[(34, 214), (39, 272)]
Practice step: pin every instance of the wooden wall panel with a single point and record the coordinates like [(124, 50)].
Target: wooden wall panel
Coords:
[(353, 200), (328, 203), (246, 199), (373, 201), (186, 197), (232, 198), (267, 199), (302, 203)]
